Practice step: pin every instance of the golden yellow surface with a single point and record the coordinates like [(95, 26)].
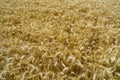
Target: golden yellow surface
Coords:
[(59, 39)]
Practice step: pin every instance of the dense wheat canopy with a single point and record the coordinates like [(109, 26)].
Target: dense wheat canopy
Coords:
[(59, 39)]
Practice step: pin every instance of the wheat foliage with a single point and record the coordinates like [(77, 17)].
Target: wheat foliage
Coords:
[(59, 39)]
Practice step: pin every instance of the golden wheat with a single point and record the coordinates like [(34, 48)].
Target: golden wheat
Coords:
[(59, 40)]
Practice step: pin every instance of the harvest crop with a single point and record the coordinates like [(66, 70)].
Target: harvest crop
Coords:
[(59, 39)]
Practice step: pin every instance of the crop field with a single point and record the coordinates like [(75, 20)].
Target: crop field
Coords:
[(59, 39)]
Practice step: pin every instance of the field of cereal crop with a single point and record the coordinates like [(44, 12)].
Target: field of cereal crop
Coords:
[(59, 39)]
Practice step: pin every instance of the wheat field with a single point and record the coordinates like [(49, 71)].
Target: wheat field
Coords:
[(59, 39)]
